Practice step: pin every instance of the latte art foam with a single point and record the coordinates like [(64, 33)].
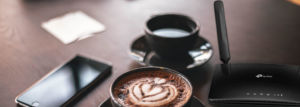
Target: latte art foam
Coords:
[(153, 88), (152, 91)]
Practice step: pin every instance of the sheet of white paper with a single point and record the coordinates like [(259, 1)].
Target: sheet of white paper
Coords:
[(84, 36), (73, 26)]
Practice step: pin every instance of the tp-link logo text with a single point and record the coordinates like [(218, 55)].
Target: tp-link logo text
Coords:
[(263, 76)]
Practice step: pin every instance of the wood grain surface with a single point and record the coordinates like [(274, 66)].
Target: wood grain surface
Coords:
[(262, 31)]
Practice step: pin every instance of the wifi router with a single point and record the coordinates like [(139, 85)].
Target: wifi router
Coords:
[(256, 84), (248, 85)]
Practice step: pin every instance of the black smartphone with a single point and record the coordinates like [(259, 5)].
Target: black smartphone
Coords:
[(62, 85)]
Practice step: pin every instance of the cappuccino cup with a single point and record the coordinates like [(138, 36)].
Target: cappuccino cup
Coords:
[(171, 36), (151, 86)]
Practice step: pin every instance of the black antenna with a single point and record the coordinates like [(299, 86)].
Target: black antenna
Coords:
[(222, 31)]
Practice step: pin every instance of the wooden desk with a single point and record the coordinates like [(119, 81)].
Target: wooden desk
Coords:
[(263, 31)]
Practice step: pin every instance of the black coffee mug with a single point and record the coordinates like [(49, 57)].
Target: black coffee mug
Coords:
[(171, 36)]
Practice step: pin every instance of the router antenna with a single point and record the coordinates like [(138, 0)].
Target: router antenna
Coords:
[(222, 31)]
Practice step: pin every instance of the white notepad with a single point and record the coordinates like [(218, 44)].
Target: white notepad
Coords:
[(73, 26)]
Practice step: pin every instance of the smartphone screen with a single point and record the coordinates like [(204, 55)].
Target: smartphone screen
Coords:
[(63, 83)]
